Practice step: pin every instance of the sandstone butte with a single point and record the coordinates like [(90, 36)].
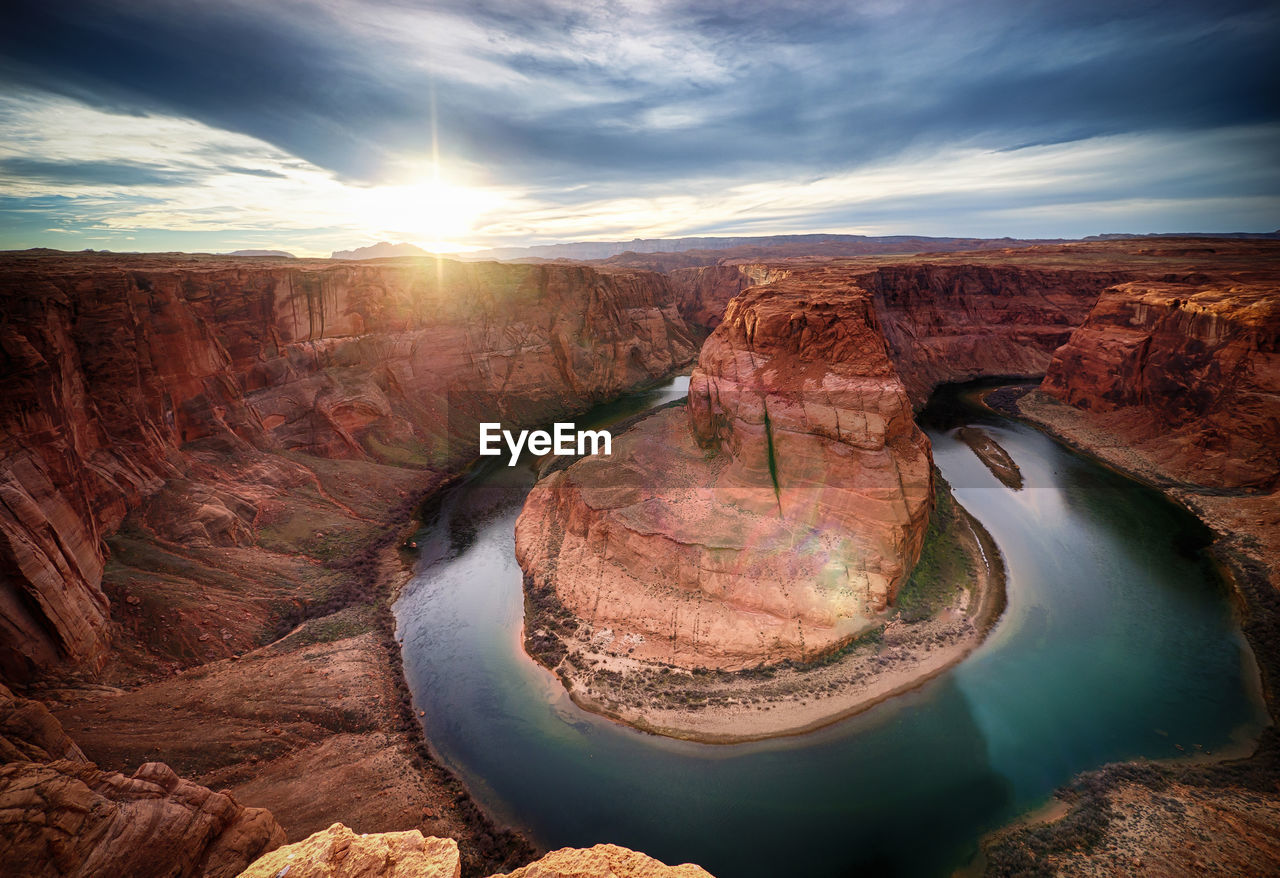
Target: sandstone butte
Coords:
[(778, 514), (771, 518), (193, 451)]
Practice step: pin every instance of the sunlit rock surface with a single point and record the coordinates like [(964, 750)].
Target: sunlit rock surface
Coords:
[(772, 518), (124, 373), (337, 852), (1187, 371)]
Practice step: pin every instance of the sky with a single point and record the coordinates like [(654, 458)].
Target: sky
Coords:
[(315, 125)]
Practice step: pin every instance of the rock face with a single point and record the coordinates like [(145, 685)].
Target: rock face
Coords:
[(124, 373), (948, 322), (1186, 372), (60, 815), (704, 292), (67, 818), (30, 733), (771, 519), (943, 321), (1139, 819), (337, 852)]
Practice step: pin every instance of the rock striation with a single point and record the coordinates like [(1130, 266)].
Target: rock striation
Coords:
[(30, 733), (1187, 372), (957, 322), (944, 321), (128, 373), (704, 292), (772, 518)]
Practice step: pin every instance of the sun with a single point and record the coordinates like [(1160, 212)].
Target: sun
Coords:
[(430, 211)]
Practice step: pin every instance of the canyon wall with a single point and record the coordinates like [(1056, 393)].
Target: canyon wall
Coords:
[(944, 321), (773, 517), (778, 515), (244, 428), (703, 293), (957, 322), (221, 378), (1187, 373)]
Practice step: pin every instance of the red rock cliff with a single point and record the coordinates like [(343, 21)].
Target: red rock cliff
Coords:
[(124, 372), (947, 323), (943, 321), (1186, 371), (704, 292), (773, 519)]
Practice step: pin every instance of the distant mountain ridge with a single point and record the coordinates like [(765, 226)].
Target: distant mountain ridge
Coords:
[(381, 250), (862, 243), (830, 245), (284, 254)]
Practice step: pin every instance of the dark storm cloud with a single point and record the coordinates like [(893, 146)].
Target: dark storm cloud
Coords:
[(547, 92)]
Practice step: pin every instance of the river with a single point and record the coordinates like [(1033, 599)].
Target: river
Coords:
[(1118, 642)]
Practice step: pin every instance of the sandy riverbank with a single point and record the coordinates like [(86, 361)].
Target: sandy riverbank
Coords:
[(732, 707)]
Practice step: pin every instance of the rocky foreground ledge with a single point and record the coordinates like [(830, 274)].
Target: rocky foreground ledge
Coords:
[(337, 852)]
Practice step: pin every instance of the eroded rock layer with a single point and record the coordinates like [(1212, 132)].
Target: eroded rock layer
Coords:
[(705, 292), (946, 323), (772, 518), (777, 516), (124, 374), (1187, 371)]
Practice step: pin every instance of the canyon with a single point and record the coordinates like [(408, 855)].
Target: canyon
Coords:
[(130, 376), (208, 466), (776, 516), (768, 520)]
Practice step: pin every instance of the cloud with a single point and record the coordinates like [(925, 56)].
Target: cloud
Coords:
[(650, 90), (73, 173), (159, 176), (550, 119)]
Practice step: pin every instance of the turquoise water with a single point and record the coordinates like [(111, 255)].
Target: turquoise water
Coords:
[(1118, 642)]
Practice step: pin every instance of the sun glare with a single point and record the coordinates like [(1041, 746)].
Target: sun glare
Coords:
[(429, 211)]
